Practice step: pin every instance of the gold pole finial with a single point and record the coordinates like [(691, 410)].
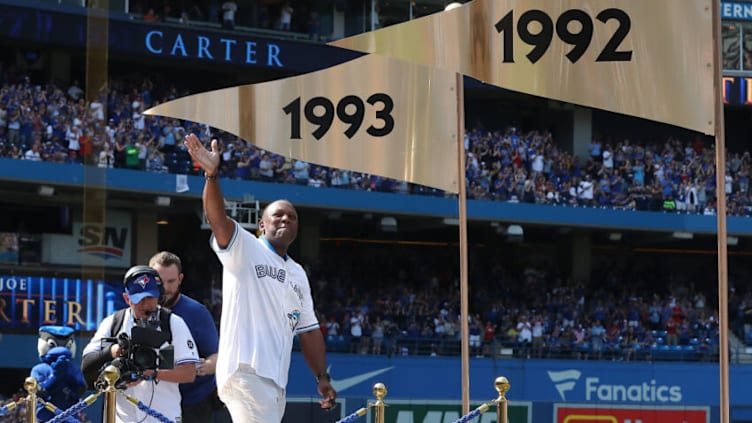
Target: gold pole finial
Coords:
[(502, 386), (110, 374), (379, 391), (31, 386)]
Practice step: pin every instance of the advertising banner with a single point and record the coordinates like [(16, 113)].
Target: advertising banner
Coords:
[(625, 414), (430, 411), (92, 244)]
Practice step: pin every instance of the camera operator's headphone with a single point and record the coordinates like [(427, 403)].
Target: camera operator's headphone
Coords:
[(135, 271)]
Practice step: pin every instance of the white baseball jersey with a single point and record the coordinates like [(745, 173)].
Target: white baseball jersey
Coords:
[(266, 301), (163, 396)]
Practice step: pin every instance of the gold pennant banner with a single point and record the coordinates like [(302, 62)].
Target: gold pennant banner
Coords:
[(373, 114), (646, 58)]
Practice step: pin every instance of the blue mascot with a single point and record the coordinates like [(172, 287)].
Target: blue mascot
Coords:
[(60, 379)]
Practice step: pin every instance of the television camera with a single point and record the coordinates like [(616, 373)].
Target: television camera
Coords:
[(143, 350)]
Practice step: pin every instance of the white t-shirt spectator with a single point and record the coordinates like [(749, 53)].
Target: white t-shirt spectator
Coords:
[(332, 328), (97, 110), (525, 333), (586, 190), (355, 328), (608, 160), (72, 136), (538, 163), (32, 155), (106, 158), (228, 11), (300, 169), (537, 330), (316, 182)]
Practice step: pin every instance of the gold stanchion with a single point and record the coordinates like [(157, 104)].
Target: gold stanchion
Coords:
[(502, 386), (379, 391), (48, 405), (110, 374), (31, 386), (10, 407)]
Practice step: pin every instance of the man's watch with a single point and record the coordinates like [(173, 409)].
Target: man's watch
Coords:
[(323, 375)]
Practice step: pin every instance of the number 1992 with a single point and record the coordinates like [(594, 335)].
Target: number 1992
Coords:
[(580, 38)]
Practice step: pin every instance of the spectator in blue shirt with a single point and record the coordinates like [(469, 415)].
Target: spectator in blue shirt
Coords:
[(199, 398)]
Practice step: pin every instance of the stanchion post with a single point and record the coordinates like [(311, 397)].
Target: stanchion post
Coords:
[(31, 386), (110, 374), (379, 391), (502, 386)]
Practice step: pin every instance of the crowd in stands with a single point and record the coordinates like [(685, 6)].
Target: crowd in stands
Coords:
[(291, 16), (528, 311), (41, 122)]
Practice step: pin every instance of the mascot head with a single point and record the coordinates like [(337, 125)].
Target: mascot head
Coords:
[(55, 336)]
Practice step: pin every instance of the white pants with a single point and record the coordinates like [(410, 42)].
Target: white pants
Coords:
[(251, 398)]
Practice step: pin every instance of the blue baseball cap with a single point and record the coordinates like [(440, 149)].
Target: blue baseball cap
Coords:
[(142, 285), (63, 331)]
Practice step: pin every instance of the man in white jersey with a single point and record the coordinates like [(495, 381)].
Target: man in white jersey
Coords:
[(266, 301), (157, 389)]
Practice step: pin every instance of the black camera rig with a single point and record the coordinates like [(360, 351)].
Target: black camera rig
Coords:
[(143, 350)]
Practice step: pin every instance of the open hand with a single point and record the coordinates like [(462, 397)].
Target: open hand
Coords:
[(208, 160)]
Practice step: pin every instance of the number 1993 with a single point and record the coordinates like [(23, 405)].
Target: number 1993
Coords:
[(351, 110)]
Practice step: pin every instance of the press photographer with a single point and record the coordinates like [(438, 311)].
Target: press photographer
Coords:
[(139, 341)]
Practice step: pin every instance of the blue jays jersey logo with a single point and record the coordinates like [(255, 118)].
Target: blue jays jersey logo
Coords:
[(293, 318), (142, 281)]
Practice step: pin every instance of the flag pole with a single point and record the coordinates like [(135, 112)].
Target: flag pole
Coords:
[(720, 167), (464, 324)]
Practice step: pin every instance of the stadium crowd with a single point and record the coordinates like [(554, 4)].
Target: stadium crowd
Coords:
[(626, 312), (293, 16), (532, 311), (47, 123)]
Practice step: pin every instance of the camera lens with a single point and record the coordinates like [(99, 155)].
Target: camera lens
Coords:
[(145, 358)]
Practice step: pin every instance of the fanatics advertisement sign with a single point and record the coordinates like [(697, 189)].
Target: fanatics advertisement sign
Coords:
[(630, 414)]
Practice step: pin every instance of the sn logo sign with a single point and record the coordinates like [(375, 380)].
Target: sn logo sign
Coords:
[(106, 242)]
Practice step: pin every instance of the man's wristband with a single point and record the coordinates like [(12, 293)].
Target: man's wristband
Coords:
[(323, 375), (210, 177)]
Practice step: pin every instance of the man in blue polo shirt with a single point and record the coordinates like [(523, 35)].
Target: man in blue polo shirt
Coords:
[(198, 398)]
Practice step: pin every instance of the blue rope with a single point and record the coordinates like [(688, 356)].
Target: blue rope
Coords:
[(349, 419), (75, 409), (469, 416), (154, 413), (56, 411)]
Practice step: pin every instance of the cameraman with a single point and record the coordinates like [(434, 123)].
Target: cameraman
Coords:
[(156, 388)]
